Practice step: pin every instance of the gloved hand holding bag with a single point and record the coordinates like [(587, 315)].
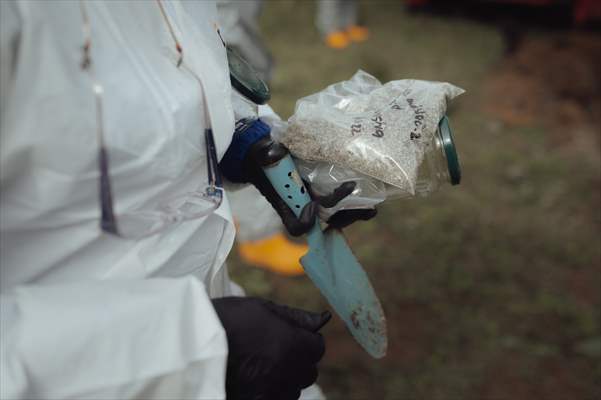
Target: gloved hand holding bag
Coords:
[(252, 149)]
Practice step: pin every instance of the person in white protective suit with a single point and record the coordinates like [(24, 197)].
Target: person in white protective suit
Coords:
[(113, 225), (337, 21)]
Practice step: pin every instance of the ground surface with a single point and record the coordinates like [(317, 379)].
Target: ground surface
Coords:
[(491, 289)]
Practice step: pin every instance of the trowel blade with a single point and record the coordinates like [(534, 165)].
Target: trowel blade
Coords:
[(332, 266)]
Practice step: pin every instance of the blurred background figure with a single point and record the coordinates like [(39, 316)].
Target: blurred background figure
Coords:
[(261, 240), (337, 21)]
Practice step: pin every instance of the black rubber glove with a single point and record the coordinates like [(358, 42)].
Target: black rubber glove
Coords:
[(342, 218), (265, 152), (273, 349)]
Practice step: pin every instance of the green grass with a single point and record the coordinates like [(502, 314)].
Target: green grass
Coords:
[(491, 289)]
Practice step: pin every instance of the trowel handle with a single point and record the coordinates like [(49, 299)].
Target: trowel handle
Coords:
[(271, 169), (287, 182)]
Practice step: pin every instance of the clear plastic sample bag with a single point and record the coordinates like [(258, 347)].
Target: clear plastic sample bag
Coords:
[(393, 139)]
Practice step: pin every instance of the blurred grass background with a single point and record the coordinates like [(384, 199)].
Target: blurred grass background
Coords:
[(491, 288)]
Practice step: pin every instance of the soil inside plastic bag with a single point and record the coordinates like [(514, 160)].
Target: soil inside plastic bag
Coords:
[(382, 131)]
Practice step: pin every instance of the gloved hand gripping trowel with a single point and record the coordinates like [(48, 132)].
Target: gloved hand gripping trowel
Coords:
[(330, 262)]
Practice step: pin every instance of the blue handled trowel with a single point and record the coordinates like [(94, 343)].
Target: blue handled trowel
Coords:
[(330, 263), (332, 266)]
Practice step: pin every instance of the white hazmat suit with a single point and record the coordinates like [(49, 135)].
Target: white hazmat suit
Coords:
[(83, 314)]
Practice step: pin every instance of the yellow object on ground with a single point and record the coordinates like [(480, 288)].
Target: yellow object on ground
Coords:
[(337, 40), (276, 254), (357, 33)]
